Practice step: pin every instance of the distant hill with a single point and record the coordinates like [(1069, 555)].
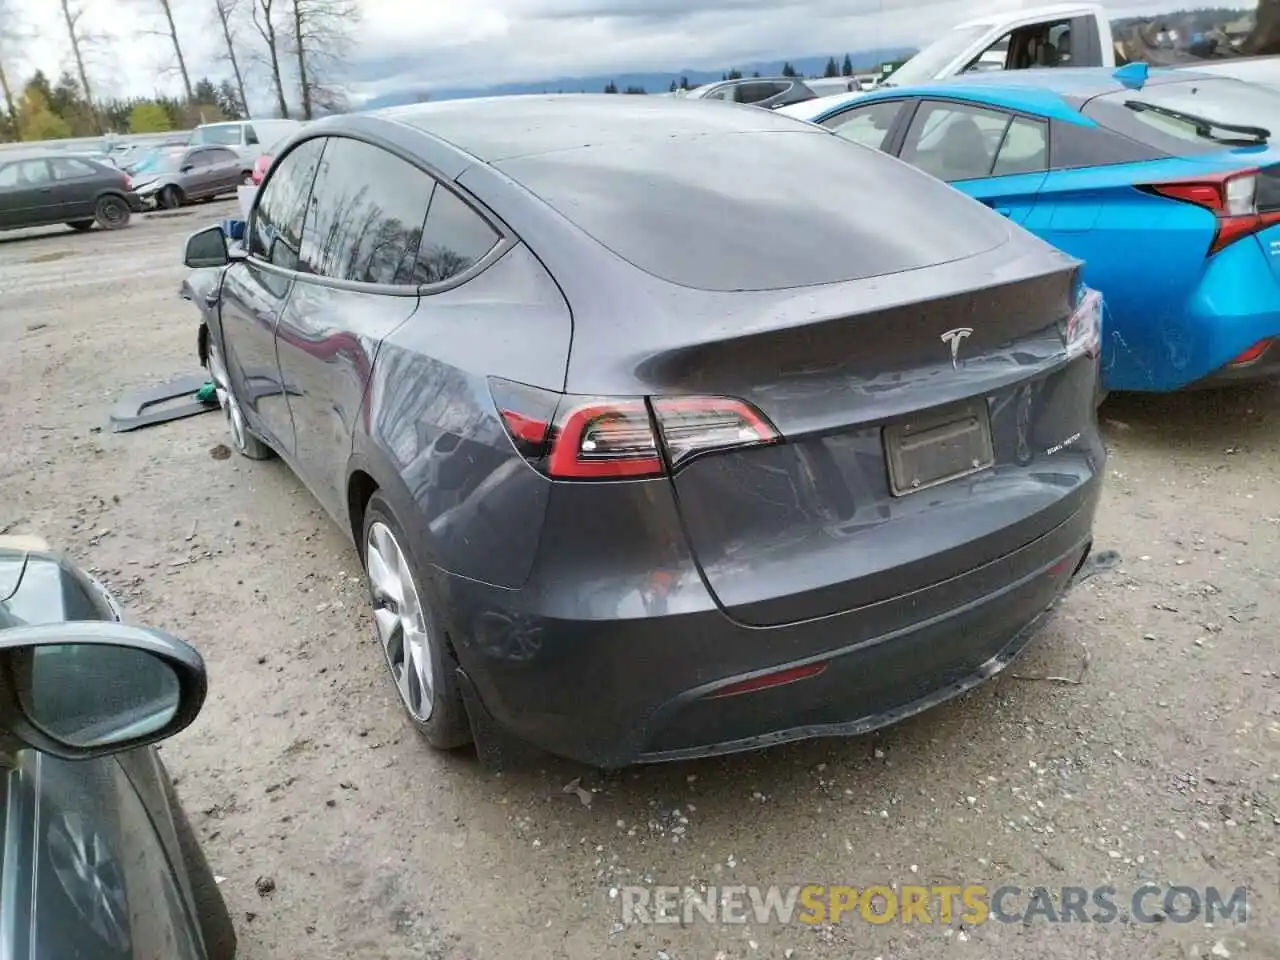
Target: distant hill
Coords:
[(652, 81)]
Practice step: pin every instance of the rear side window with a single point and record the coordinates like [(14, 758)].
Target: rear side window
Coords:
[(69, 168), (275, 230), (1073, 146), (954, 141), (220, 155), (455, 238), (1025, 148), (1166, 115), (250, 136), (755, 92), (869, 125), (366, 215)]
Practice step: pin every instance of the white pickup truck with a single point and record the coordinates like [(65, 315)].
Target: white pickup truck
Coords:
[(1074, 35)]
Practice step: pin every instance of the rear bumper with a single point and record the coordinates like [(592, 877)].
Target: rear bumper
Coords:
[(1266, 366), (615, 692)]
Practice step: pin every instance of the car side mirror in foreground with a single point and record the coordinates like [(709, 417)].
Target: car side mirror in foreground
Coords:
[(207, 248), (87, 688)]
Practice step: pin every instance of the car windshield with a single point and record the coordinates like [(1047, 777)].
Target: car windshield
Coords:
[(1184, 117), (223, 135), (926, 64)]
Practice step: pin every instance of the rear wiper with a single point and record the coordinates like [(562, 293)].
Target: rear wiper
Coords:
[(1204, 127)]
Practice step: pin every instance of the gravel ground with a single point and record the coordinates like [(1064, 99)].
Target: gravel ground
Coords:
[(1153, 759)]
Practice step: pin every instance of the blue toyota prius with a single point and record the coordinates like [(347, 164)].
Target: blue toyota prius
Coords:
[(1164, 181)]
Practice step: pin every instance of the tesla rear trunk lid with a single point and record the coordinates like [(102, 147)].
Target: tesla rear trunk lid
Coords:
[(927, 428)]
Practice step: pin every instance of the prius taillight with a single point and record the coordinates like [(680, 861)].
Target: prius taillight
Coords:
[(1231, 197), (609, 438)]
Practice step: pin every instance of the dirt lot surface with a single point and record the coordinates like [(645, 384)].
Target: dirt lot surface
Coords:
[(1160, 765)]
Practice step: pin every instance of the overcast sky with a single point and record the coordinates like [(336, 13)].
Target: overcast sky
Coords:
[(424, 44)]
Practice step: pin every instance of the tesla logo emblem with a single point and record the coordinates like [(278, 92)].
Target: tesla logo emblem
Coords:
[(954, 338)]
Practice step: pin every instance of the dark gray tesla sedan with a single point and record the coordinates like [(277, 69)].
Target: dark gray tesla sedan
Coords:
[(663, 428)]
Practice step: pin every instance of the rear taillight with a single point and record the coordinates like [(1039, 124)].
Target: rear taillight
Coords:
[(128, 182), (1253, 354), (1231, 197), (604, 438)]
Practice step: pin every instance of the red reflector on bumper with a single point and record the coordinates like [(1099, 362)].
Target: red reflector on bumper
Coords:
[(770, 680), (1253, 353)]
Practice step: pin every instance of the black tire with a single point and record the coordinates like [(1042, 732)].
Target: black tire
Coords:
[(112, 213), (216, 928), (170, 198), (447, 726), (81, 226)]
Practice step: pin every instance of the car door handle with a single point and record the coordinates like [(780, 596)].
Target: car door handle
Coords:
[(211, 299)]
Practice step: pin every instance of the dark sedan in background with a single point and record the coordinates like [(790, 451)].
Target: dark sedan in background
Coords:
[(652, 448), (767, 92), (39, 190), (99, 859)]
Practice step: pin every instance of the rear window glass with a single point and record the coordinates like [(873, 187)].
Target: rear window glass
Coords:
[(758, 211), (1220, 99)]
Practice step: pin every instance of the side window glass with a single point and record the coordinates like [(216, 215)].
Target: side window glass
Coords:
[(275, 227), (1025, 148), (954, 141), (68, 168), (34, 173), (455, 238), (223, 156), (9, 175), (995, 57), (869, 125), (250, 135), (366, 214)]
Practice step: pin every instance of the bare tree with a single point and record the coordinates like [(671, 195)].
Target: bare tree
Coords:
[(12, 35), (265, 13), (227, 10), (170, 32), (73, 15), (319, 34)]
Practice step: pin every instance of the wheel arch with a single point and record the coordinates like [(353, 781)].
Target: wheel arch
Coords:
[(371, 470)]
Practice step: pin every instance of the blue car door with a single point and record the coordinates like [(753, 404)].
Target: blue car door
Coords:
[(993, 155)]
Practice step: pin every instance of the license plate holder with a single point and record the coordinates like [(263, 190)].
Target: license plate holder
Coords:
[(930, 450)]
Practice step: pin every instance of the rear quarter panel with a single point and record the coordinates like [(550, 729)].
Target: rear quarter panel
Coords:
[(1146, 254), (430, 434)]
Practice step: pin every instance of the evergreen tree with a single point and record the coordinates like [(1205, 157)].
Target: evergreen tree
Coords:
[(205, 92), (611, 87), (847, 69), (229, 101), (672, 88), (734, 74), (832, 69), (684, 83), (634, 90), (788, 70)]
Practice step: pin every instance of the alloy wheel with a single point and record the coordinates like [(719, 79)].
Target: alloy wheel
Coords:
[(227, 399), (402, 627)]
